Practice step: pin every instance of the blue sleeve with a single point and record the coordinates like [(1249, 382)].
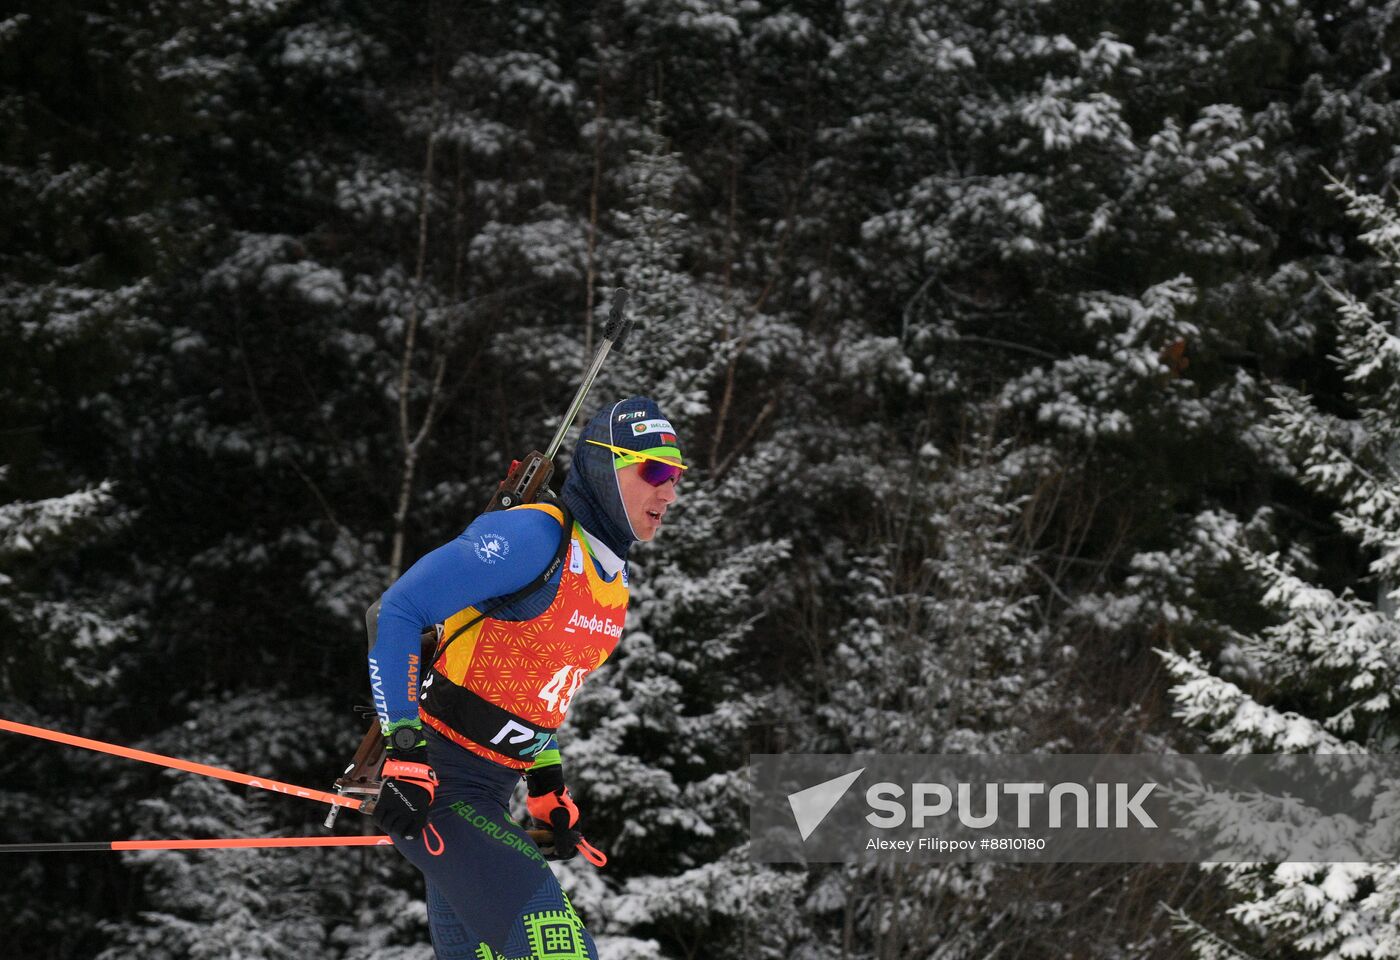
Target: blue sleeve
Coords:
[(498, 554)]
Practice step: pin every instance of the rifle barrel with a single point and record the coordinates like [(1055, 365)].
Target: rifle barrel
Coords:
[(574, 407), (617, 324)]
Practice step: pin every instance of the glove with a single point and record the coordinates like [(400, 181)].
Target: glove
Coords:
[(549, 803), (408, 790)]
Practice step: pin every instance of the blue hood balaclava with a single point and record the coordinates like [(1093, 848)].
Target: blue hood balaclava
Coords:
[(590, 490)]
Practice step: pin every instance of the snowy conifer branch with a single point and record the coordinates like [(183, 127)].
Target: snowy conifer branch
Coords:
[(1334, 654)]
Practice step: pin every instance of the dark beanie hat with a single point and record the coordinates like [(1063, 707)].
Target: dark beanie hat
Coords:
[(591, 489)]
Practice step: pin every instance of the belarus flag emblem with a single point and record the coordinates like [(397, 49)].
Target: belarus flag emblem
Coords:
[(653, 426)]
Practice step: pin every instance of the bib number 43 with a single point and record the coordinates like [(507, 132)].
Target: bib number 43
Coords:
[(558, 692)]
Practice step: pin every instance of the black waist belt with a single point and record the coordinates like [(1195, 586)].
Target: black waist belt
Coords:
[(481, 721)]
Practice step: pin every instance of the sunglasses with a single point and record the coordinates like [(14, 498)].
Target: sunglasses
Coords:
[(654, 470)]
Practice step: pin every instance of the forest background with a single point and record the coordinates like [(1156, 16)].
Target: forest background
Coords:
[(1035, 358)]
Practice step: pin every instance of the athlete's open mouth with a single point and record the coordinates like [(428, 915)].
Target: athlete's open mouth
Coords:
[(654, 515)]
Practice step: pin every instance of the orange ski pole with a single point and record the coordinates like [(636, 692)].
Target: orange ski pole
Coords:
[(542, 837), (204, 769), (216, 844)]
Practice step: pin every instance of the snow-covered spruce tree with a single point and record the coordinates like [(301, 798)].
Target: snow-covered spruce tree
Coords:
[(1321, 678), (255, 904), (62, 628), (76, 238), (76, 241), (1089, 215), (1037, 233), (214, 246), (59, 634), (946, 654)]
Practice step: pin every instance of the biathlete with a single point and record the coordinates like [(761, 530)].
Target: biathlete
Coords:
[(485, 712)]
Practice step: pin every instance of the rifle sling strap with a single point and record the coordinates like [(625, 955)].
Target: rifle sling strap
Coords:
[(565, 535)]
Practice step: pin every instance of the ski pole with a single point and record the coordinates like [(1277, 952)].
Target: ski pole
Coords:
[(203, 769), (541, 837), (214, 844)]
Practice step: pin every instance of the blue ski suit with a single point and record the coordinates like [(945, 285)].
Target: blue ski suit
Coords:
[(491, 894)]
